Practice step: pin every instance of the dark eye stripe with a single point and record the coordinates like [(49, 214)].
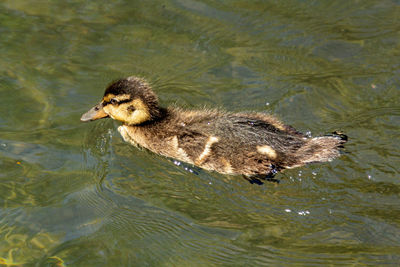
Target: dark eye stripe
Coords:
[(118, 102), (124, 101)]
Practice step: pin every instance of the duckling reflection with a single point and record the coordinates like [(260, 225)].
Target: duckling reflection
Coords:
[(254, 145)]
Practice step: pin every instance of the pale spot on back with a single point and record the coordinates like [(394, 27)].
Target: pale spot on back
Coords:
[(267, 150), (207, 149), (227, 166), (179, 153)]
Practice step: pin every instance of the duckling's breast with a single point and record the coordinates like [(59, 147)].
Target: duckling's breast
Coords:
[(164, 144)]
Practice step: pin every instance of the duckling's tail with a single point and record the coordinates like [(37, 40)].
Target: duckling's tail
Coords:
[(320, 149)]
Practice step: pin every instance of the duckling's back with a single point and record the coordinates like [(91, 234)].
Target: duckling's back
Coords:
[(243, 143)]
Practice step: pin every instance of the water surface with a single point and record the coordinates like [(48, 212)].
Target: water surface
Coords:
[(75, 194)]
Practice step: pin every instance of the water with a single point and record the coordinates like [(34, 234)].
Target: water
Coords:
[(75, 194)]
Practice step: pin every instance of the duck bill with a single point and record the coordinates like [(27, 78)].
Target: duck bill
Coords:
[(95, 113)]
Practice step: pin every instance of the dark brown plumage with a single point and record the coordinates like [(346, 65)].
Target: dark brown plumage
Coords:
[(255, 145)]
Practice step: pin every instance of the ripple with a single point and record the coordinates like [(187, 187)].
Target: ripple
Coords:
[(76, 194)]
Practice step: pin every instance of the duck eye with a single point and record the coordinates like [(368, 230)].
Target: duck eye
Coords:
[(113, 101)]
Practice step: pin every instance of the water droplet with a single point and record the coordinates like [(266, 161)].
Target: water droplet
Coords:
[(303, 213)]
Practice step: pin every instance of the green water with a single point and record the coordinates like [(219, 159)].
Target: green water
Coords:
[(74, 194)]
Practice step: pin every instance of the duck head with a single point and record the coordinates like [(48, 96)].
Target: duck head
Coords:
[(130, 100)]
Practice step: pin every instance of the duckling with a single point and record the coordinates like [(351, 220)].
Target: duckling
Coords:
[(255, 145)]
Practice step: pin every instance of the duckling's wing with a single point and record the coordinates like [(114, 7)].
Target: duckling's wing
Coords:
[(252, 132)]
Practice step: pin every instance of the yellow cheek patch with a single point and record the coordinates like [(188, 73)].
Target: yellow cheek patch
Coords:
[(141, 113), (138, 104), (123, 111), (117, 112)]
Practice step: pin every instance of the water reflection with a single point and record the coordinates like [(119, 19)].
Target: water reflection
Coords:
[(76, 194)]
